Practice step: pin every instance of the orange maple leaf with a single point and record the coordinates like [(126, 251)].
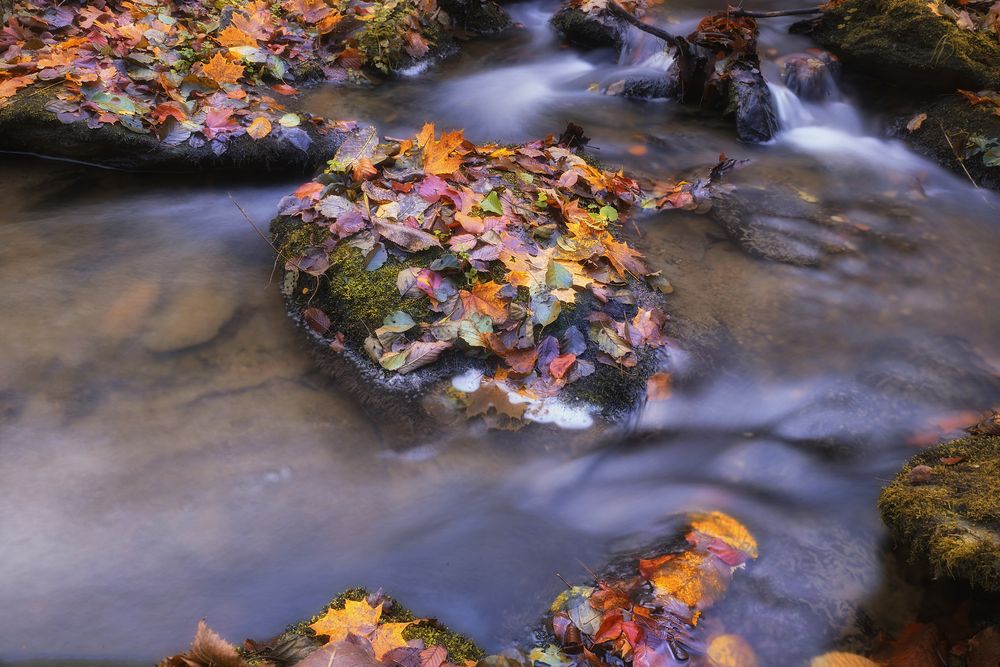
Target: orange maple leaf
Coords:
[(233, 37), (388, 636), (483, 299), (222, 71), (357, 618), (438, 158)]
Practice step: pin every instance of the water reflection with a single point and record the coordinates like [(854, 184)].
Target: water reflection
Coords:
[(169, 453)]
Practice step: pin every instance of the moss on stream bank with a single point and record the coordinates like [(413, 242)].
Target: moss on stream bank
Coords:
[(904, 43)]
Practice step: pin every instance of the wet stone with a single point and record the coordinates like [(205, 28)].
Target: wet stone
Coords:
[(193, 318), (812, 76)]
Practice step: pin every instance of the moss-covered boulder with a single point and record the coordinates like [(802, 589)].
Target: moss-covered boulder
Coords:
[(905, 43), (943, 508), (440, 279), (301, 639), (590, 24), (962, 136)]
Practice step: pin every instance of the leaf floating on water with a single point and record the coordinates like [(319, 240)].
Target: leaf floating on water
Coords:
[(728, 650)]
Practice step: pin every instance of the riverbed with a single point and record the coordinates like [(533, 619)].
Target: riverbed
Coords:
[(169, 452)]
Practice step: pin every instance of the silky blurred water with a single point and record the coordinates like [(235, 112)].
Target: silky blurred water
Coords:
[(170, 454)]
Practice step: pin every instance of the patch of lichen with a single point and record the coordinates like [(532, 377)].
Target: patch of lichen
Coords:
[(460, 648), (953, 519), (905, 43)]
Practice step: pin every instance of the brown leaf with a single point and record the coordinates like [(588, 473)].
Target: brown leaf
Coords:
[(342, 654), (984, 648), (483, 299), (918, 645), (658, 387), (916, 122), (317, 320), (921, 474), (407, 237), (207, 650)]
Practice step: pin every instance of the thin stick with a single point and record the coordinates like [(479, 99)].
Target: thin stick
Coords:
[(562, 579), (961, 162), (255, 228), (627, 16), (733, 11)]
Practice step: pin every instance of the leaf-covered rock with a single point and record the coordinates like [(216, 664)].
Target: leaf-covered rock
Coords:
[(451, 269)]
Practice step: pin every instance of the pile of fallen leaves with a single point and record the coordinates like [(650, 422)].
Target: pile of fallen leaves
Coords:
[(649, 618), (496, 243), (969, 15), (193, 70)]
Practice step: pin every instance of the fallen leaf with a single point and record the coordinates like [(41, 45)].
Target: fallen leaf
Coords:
[(222, 71), (838, 659), (729, 650), (356, 617), (916, 122), (207, 650), (259, 128)]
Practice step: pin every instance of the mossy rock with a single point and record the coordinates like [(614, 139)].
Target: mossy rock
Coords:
[(903, 43), (299, 640), (26, 126), (595, 29), (952, 118), (943, 508), (482, 17), (357, 302)]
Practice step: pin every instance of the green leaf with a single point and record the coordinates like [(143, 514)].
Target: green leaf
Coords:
[(609, 212), (491, 203), (991, 158)]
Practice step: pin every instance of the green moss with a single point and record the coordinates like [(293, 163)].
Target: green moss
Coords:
[(381, 42), (903, 42), (953, 519), (460, 648)]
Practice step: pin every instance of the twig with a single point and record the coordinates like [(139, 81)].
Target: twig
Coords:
[(961, 161), (735, 11), (628, 17), (277, 253)]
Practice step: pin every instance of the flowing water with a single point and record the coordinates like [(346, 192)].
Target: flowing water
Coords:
[(169, 453)]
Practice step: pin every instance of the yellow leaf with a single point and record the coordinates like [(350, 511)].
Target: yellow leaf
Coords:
[(695, 578), (233, 37), (359, 618), (387, 637), (729, 530), (259, 128), (222, 71), (837, 659), (730, 651)]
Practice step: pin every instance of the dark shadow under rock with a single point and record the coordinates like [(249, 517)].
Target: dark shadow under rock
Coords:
[(26, 126)]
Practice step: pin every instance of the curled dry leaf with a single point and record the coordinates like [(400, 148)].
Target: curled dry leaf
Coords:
[(207, 650)]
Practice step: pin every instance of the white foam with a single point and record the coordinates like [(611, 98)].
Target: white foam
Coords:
[(468, 381)]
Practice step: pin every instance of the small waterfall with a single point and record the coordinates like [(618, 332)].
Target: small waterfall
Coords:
[(789, 109), (795, 113)]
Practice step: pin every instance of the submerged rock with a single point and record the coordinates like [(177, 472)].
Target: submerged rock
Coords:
[(775, 222), (194, 318), (959, 135), (904, 43), (454, 281), (943, 508)]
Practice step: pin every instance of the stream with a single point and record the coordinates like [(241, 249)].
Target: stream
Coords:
[(169, 453)]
